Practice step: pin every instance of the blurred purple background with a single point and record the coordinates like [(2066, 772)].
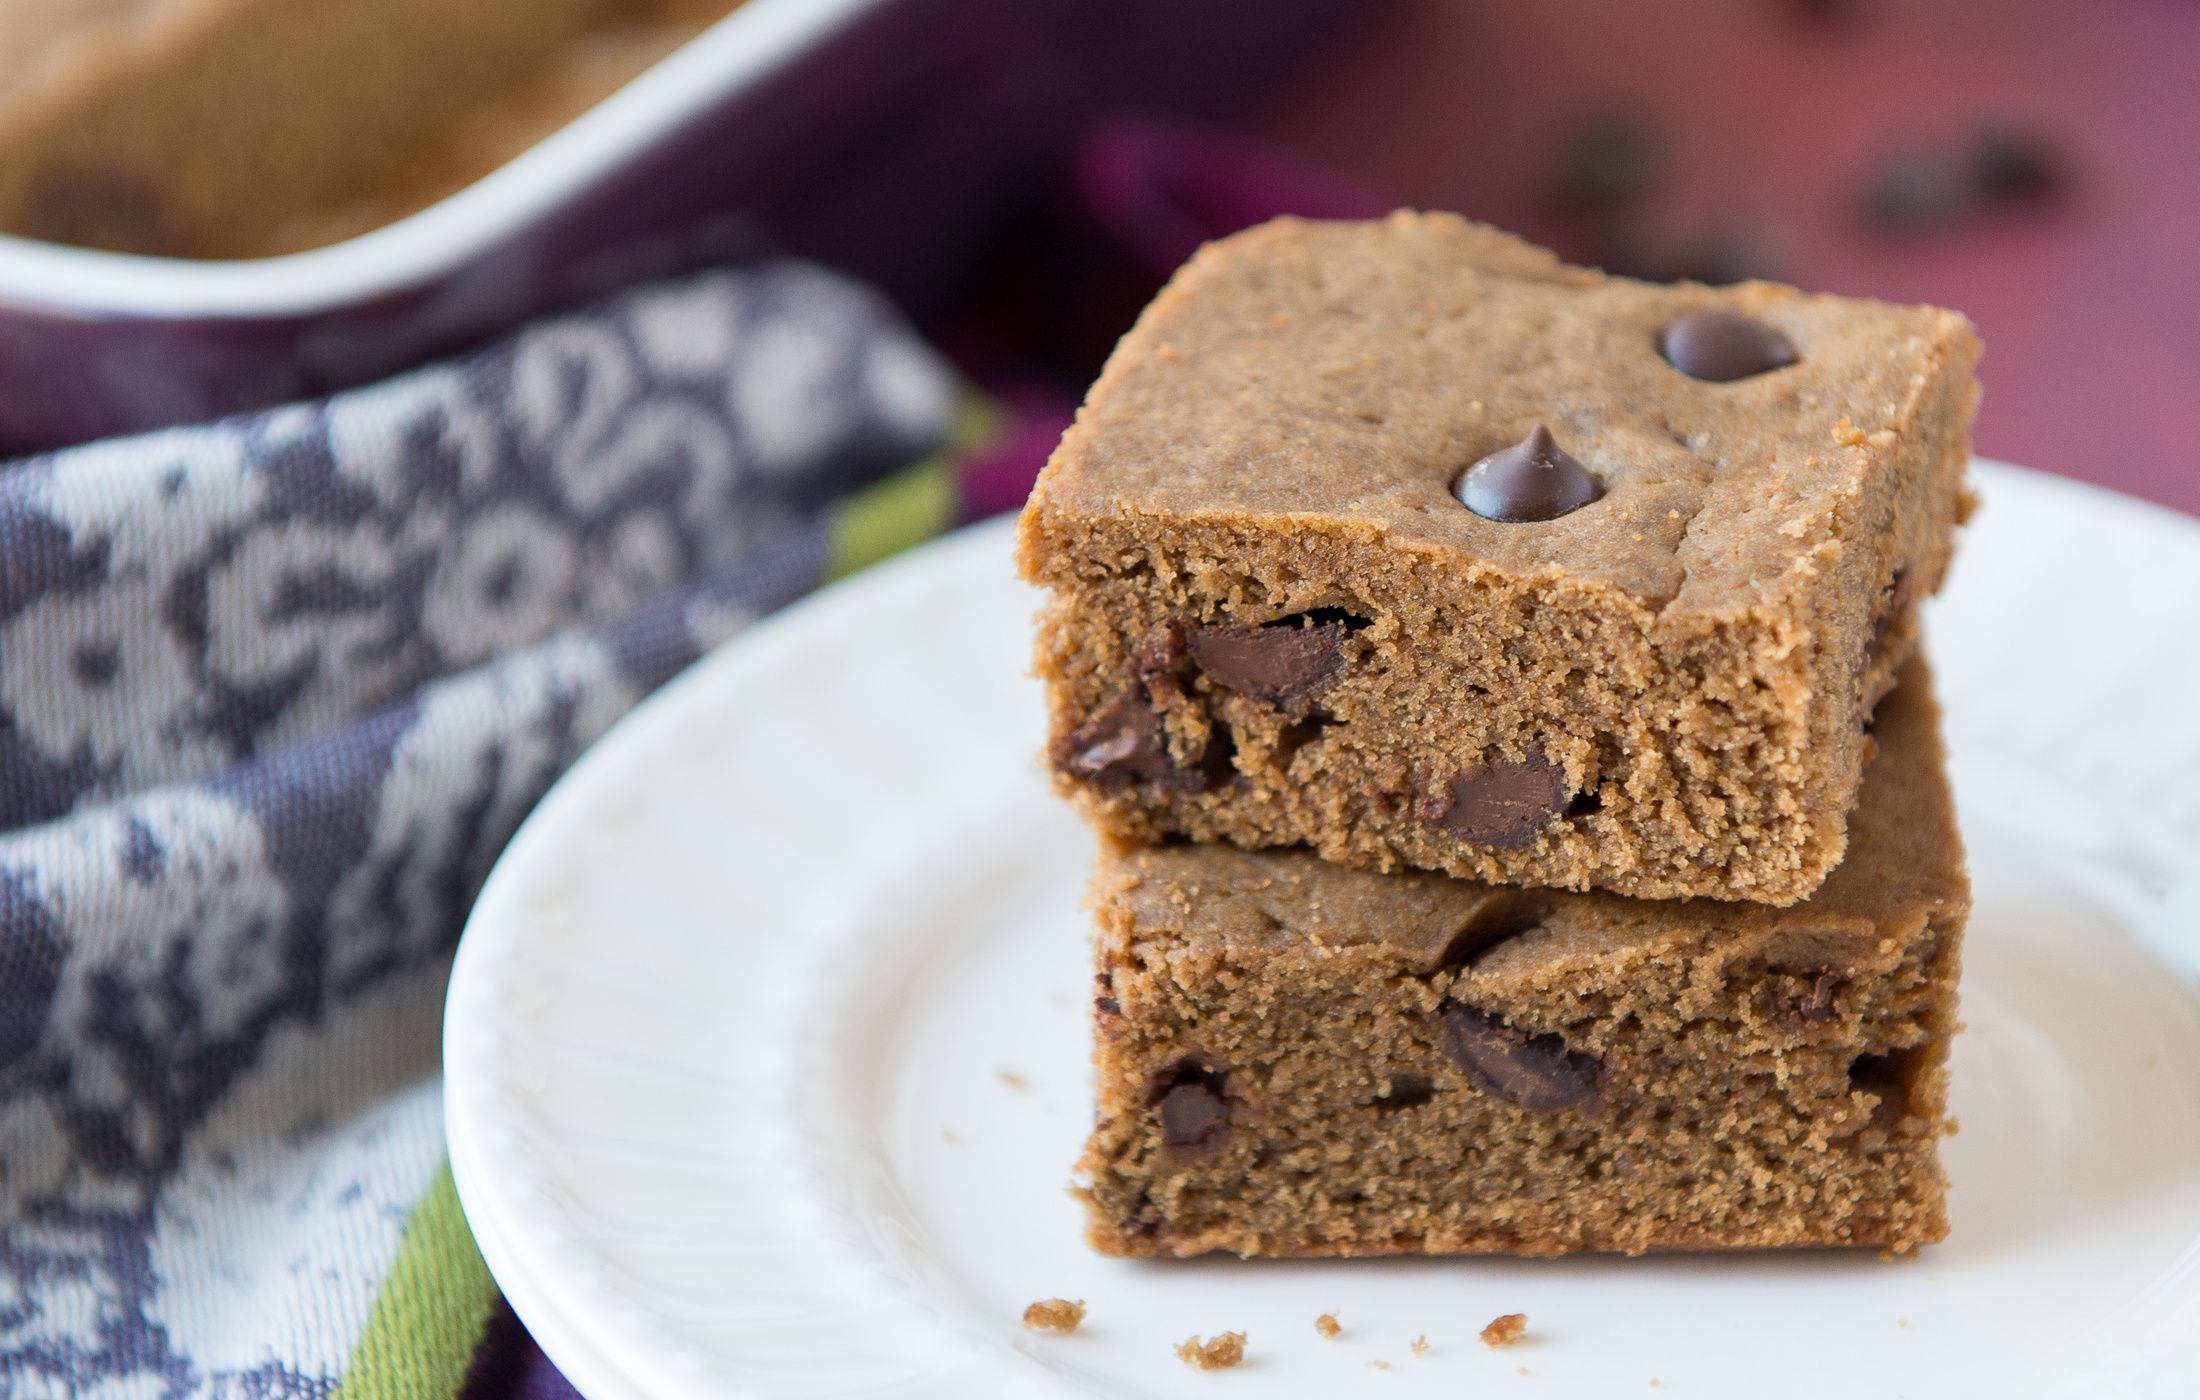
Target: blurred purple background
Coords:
[(1774, 118)]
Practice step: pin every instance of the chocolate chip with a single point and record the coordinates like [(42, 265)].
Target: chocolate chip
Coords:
[(1106, 1010), (1299, 733), (1495, 920), (1817, 1003), (1157, 662), (1918, 191), (1932, 187), (1406, 1091), (1887, 1078), (1122, 743), (1822, 11), (1534, 479), (1537, 1072), (1195, 1116), (1217, 764), (1504, 805), (1717, 256), (1894, 601), (1276, 663), (1605, 162), (1723, 345), (2012, 166)]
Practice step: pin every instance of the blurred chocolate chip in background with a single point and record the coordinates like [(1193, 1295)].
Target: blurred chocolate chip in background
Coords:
[(1917, 191), (1603, 162), (1605, 172), (1928, 188), (1822, 12), (2015, 165), (1717, 254)]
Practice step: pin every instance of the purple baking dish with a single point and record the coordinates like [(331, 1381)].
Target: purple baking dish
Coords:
[(882, 136)]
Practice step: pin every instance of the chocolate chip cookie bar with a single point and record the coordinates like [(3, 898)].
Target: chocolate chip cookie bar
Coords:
[(1407, 542), (1299, 1058)]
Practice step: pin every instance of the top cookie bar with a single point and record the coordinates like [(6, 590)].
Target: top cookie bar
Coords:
[(1408, 542)]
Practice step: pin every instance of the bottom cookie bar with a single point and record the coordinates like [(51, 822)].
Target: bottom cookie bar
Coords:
[(1300, 1059)]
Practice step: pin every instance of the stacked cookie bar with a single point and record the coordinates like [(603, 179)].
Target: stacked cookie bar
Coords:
[(1498, 688)]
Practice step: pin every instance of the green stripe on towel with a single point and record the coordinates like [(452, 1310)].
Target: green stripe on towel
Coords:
[(912, 505), (428, 1320)]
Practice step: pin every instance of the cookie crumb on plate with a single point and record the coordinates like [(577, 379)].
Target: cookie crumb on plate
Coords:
[(1213, 1354), (1504, 1331), (1055, 1315), (1420, 1345), (1326, 1324)]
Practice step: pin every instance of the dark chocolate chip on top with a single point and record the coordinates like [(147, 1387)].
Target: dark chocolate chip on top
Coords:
[(1722, 346), (1534, 479)]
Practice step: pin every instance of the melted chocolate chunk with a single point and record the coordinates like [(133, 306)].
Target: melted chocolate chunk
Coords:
[(1494, 921), (1218, 764), (1537, 1072), (1504, 805), (1406, 1091), (1122, 743), (1106, 1010), (1299, 733), (1277, 663), (1798, 1001), (1722, 346), (1195, 1117), (1534, 479), (1894, 601), (1817, 1003), (1887, 1079), (1158, 660)]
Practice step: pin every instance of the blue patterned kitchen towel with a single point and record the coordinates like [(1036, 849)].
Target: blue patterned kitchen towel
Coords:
[(273, 694)]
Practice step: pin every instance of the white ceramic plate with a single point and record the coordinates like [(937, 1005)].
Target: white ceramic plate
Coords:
[(766, 1045)]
